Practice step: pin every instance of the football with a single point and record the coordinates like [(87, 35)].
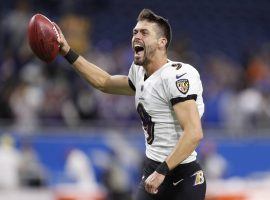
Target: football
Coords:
[(42, 38)]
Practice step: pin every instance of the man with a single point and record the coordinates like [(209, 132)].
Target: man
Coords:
[(168, 98)]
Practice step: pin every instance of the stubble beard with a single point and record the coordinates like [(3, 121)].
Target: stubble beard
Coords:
[(140, 62)]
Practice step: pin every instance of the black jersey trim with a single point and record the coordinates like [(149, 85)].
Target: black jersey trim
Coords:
[(131, 85), (182, 99), (145, 77)]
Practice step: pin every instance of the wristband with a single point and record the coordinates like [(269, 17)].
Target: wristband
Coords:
[(163, 168), (71, 56)]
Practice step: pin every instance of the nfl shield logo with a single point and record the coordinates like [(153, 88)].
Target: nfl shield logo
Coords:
[(182, 85)]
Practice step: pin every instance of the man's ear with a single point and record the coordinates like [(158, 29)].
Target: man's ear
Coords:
[(162, 42)]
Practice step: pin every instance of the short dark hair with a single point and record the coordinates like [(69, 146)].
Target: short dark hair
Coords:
[(149, 15)]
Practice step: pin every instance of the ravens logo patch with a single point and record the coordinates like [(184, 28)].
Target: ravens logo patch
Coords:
[(182, 85)]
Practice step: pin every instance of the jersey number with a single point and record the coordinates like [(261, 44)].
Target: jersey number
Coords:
[(147, 123)]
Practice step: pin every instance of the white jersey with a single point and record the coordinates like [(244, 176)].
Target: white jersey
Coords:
[(155, 96)]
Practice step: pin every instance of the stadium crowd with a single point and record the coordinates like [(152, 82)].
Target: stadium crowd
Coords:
[(234, 62)]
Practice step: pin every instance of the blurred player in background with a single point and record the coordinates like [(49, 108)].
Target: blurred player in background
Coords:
[(168, 97)]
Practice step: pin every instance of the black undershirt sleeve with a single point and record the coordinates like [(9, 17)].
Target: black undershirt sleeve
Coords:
[(131, 85), (182, 99)]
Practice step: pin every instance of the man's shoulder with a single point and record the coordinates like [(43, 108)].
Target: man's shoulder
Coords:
[(178, 69)]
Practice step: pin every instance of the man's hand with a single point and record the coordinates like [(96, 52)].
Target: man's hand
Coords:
[(64, 46), (153, 182)]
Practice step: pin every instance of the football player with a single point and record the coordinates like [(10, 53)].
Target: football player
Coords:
[(168, 97)]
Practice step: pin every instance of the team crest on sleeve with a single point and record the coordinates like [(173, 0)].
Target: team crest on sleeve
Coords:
[(182, 85)]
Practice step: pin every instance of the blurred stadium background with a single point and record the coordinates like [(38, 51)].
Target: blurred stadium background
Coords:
[(61, 139)]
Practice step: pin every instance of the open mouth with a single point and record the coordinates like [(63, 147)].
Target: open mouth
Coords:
[(138, 48)]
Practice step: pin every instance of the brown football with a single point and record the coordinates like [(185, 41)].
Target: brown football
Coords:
[(42, 38)]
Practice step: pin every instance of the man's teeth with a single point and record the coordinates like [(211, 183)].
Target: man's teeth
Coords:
[(138, 48)]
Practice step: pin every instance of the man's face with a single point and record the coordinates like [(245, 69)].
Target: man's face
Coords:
[(144, 42)]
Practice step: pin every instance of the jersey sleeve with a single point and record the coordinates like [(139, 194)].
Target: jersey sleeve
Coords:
[(132, 77), (182, 86)]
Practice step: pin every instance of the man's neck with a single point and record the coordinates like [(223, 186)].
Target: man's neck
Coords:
[(155, 64)]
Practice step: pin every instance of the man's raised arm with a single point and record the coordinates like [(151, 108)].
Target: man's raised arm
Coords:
[(94, 75)]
